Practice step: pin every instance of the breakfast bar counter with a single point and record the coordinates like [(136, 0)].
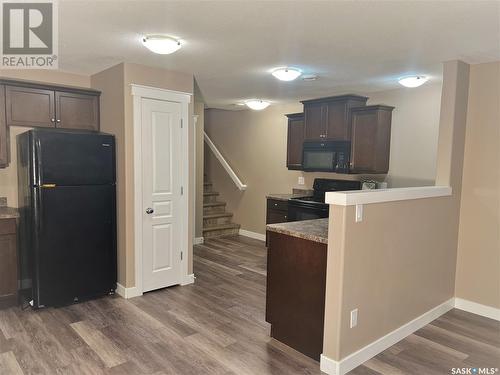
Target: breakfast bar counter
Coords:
[(313, 230)]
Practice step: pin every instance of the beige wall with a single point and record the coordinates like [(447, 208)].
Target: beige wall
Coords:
[(414, 133), (400, 261), (478, 264), (8, 176), (395, 265), (254, 143), (115, 84), (110, 83)]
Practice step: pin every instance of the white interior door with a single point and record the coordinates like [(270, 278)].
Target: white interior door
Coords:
[(162, 181)]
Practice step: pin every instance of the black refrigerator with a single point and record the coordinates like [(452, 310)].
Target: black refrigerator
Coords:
[(67, 228)]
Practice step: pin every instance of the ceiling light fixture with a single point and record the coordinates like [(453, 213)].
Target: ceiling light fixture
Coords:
[(161, 44), (413, 81), (257, 104), (286, 74)]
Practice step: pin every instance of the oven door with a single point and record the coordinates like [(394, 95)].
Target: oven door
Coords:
[(298, 211)]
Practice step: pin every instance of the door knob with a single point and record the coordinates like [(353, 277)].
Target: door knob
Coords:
[(149, 211)]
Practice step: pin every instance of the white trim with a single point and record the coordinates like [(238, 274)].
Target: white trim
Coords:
[(188, 279), (195, 180), (477, 308), (328, 365), (224, 163), (254, 235), (150, 92), (139, 92), (355, 359), (127, 292), (198, 240), (351, 198)]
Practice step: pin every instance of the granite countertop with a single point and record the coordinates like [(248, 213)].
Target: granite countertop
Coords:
[(313, 230), (8, 212)]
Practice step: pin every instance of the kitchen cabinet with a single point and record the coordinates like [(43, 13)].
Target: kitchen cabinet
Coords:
[(371, 139), (277, 212), (8, 263), (51, 106), (295, 140), (4, 133), (330, 118), (26, 106), (296, 282), (32, 104), (77, 111)]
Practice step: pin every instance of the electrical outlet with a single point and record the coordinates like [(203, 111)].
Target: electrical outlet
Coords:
[(354, 318), (301, 180)]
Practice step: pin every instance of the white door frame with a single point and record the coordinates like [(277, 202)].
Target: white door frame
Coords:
[(139, 92)]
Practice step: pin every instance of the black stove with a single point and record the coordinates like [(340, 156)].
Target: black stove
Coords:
[(314, 207)]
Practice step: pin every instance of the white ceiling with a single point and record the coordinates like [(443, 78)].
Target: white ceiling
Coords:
[(353, 46)]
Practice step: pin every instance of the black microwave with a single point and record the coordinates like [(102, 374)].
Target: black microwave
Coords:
[(326, 156)]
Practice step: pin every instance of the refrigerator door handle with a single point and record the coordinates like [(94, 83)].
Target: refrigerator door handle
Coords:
[(38, 163), (38, 208)]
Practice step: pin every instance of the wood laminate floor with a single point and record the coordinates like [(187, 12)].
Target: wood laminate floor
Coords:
[(215, 326)]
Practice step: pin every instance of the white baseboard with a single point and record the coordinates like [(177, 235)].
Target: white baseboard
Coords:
[(127, 292), (198, 240), (477, 308), (188, 279), (253, 235), (355, 359)]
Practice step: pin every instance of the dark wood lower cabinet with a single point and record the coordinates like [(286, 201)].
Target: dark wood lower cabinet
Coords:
[(8, 263), (295, 297), (277, 211)]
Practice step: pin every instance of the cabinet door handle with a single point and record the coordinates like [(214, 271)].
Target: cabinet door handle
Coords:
[(58, 120), (52, 119), (276, 205)]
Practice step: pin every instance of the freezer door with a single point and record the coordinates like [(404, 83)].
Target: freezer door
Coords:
[(76, 244), (74, 158)]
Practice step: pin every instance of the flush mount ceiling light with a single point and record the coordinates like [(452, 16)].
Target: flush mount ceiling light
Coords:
[(413, 81), (286, 74), (161, 44), (257, 104)]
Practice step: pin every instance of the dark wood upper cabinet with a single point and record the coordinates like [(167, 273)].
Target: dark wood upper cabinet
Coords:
[(329, 118), (77, 111), (371, 139), (295, 140), (33, 104), (315, 115), (26, 106)]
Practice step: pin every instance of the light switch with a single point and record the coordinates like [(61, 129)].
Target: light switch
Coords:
[(359, 213), (301, 180), (354, 318)]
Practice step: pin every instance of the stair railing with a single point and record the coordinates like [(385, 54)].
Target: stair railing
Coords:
[(240, 185)]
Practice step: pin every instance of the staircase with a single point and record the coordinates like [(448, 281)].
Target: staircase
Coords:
[(216, 221)]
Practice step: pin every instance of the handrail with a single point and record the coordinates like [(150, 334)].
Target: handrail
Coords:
[(240, 185)]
